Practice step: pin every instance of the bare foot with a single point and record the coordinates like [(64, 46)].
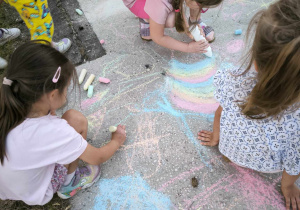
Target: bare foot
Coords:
[(207, 138)]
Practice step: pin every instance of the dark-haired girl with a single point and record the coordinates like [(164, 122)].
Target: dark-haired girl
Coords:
[(258, 122), (39, 151), (156, 15)]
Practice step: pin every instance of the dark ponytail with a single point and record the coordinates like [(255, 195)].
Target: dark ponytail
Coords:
[(178, 5), (31, 69)]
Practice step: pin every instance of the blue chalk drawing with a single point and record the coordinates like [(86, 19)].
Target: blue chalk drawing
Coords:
[(130, 192)]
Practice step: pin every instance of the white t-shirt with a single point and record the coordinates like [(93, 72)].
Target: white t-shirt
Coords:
[(32, 149)]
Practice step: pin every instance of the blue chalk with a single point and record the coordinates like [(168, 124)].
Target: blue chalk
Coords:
[(90, 91), (238, 32)]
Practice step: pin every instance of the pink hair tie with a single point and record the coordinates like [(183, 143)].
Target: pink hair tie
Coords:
[(7, 81), (56, 75), (177, 10), (203, 11)]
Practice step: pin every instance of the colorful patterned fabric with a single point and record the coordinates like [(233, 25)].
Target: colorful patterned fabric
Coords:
[(266, 145), (58, 178), (36, 16)]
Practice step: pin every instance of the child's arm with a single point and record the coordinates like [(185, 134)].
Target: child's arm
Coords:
[(290, 190), (96, 156), (158, 36), (212, 138)]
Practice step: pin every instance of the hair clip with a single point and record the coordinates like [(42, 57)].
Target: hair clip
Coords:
[(177, 10), (56, 75), (7, 81)]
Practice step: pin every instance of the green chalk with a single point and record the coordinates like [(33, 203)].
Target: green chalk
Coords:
[(90, 91), (79, 12)]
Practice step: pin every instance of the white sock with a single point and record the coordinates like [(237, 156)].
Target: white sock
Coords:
[(69, 178)]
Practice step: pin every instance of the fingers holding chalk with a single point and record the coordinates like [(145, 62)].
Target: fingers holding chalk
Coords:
[(112, 129)]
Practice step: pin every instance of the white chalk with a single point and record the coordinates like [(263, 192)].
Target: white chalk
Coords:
[(82, 75), (89, 82), (197, 36), (112, 129), (104, 80)]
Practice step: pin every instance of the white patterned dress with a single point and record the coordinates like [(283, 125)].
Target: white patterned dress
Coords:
[(267, 145)]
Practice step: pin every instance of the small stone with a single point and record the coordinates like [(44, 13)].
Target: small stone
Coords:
[(194, 182)]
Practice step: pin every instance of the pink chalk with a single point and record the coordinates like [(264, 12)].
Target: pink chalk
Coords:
[(102, 41), (104, 80)]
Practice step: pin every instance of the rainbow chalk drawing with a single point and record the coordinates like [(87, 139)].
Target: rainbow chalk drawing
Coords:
[(192, 85), (129, 192)]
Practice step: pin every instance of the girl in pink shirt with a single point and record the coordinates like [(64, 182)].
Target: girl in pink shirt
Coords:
[(39, 151), (156, 15)]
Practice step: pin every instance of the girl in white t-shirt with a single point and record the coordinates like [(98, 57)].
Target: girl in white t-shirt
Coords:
[(156, 15), (257, 124), (39, 152)]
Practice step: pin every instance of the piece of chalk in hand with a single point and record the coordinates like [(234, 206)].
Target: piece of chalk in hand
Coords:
[(102, 41), (79, 12), (238, 32), (90, 91), (104, 80), (82, 75), (89, 82), (112, 129)]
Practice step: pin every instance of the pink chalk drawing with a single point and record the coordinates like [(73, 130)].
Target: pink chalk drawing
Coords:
[(89, 102), (235, 46)]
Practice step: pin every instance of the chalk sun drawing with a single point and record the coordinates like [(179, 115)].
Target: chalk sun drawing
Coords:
[(191, 85), (129, 192)]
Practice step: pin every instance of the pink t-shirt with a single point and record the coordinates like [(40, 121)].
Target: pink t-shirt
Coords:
[(158, 10), (32, 149)]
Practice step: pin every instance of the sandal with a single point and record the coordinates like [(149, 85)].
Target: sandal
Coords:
[(206, 29), (144, 29)]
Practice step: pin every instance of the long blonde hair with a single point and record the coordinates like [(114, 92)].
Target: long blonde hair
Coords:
[(276, 51)]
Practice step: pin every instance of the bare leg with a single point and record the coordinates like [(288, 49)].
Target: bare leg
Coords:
[(79, 122), (194, 17)]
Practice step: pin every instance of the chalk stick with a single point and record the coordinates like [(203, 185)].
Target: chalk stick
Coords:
[(104, 80), (112, 129), (89, 82), (79, 12), (90, 91), (198, 36), (102, 41), (82, 75), (238, 32)]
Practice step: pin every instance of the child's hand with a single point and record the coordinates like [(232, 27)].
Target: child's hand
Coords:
[(292, 196), (119, 135), (198, 47), (207, 138)]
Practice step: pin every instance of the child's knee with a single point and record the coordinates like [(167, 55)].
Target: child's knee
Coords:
[(73, 115)]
